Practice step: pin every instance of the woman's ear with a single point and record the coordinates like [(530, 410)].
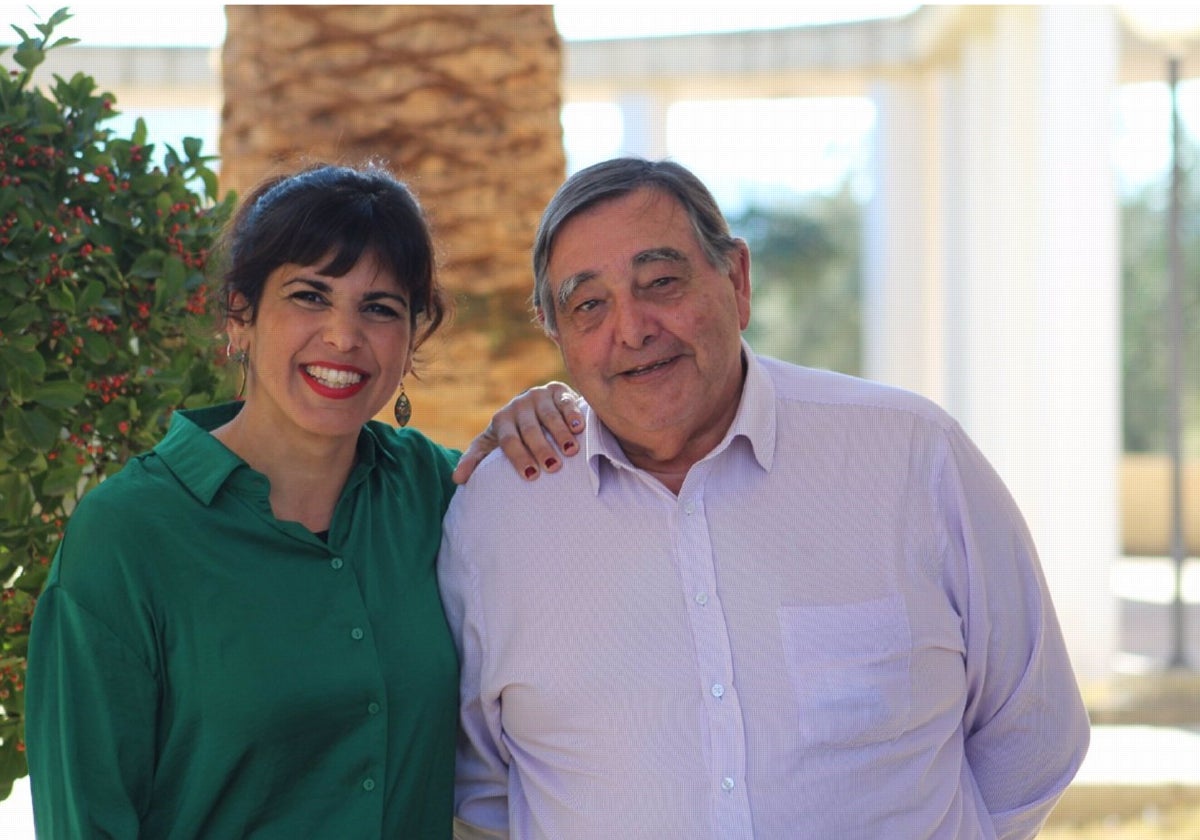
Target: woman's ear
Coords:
[(408, 362), (238, 320), (240, 309)]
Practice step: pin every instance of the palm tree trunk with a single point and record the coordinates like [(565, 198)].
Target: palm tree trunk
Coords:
[(463, 103)]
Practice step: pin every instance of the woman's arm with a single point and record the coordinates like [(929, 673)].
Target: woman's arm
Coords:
[(521, 429), (89, 730)]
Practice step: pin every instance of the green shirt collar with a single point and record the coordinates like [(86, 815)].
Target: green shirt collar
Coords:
[(203, 464)]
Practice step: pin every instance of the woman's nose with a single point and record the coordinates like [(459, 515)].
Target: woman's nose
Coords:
[(343, 331)]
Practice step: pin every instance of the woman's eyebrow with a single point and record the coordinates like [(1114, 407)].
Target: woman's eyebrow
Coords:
[(319, 285), (381, 295)]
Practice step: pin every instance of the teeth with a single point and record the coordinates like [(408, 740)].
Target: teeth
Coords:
[(645, 369), (331, 378)]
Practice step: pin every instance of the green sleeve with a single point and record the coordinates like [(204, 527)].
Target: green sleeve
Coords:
[(91, 707), (448, 459)]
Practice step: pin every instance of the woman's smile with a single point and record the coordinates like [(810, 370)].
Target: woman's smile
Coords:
[(335, 381)]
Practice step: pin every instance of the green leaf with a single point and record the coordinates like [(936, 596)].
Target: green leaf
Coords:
[(170, 397), (28, 55), (147, 264), (31, 427), (12, 760), (146, 185), (61, 480), (191, 147), (61, 15), (8, 198), (170, 282), (97, 348), (20, 318), (16, 496), (90, 296), (62, 393), (60, 298), (209, 178), (23, 459), (31, 364)]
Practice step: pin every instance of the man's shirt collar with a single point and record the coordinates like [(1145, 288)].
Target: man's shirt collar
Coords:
[(755, 421)]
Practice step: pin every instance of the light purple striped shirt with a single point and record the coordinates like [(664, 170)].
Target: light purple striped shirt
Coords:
[(838, 629)]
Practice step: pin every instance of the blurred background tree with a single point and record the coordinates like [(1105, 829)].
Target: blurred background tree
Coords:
[(463, 103), (806, 280), (105, 325), (1144, 363)]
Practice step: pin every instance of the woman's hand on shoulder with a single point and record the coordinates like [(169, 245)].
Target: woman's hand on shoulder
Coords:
[(521, 427)]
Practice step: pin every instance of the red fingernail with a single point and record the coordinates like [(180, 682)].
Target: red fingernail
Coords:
[(551, 463), (530, 472), (569, 446)]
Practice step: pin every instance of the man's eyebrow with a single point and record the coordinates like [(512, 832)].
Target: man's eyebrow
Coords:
[(658, 254), (569, 286)]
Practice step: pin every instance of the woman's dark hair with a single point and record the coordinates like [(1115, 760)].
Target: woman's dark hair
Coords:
[(335, 214)]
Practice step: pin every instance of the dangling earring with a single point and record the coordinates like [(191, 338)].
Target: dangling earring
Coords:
[(239, 356), (403, 407)]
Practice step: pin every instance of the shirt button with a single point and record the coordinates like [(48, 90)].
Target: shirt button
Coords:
[(369, 784), (702, 599), (336, 563), (718, 690), (373, 708), (356, 633), (727, 784), (689, 508)]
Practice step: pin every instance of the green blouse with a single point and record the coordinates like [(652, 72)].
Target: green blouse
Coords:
[(198, 668)]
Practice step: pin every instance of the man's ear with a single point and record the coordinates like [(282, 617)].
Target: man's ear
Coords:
[(541, 319), (739, 275)]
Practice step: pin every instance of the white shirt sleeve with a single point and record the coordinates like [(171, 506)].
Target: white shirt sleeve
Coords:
[(1025, 726), (481, 776)]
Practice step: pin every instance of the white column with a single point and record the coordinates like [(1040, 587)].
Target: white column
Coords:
[(1078, 305), (991, 278), (1032, 332), (899, 278)]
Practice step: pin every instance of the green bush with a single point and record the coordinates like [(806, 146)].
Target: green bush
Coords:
[(105, 325)]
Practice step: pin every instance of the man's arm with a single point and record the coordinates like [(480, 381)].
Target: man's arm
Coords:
[(481, 774), (466, 831), (1025, 726)]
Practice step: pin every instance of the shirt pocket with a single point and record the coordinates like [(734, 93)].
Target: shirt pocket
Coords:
[(849, 666)]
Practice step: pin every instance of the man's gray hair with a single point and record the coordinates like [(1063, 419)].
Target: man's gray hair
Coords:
[(613, 179)]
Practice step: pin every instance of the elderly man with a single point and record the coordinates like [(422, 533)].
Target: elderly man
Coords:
[(766, 602)]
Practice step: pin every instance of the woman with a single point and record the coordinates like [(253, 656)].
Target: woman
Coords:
[(241, 634)]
